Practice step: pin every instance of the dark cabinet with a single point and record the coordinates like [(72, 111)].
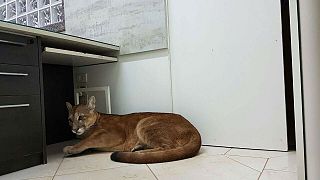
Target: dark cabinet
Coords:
[(19, 80), (20, 126), (17, 49), (21, 110)]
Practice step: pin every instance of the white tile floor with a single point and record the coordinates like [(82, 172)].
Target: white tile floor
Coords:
[(212, 163)]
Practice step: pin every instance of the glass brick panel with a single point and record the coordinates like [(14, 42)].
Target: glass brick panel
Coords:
[(55, 1), (35, 13), (22, 20), (2, 2), (11, 10), (21, 6), (57, 13), (2, 12), (43, 3), (45, 18), (32, 5), (33, 19)]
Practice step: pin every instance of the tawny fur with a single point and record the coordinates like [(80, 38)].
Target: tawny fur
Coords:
[(134, 138)]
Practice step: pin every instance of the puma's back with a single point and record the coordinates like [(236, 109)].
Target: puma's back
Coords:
[(137, 137), (162, 138)]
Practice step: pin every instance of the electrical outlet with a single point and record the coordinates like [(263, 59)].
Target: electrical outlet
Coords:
[(81, 85), (82, 78)]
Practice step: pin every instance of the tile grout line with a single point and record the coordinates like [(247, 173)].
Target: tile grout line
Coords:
[(250, 156), (103, 169), (274, 156), (227, 151), (242, 164), (152, 172), (57, 168), (280, 170), (31, 178), (263, 168)]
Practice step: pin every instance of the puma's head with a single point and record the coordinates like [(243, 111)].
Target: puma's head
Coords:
[(82, 117)]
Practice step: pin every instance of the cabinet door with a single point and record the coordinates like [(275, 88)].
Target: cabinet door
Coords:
[(20, 126), (19, 80), (16, 49)]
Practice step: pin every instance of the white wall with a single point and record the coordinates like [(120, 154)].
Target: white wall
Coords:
[(138, 82), (227, 70), (310, 57)]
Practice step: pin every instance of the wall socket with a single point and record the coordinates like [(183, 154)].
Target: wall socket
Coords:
[(82, 78)]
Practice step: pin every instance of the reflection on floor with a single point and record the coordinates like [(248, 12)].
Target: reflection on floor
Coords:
[(211, 163)]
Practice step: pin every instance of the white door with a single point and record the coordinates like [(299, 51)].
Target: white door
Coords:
[(227, 70)]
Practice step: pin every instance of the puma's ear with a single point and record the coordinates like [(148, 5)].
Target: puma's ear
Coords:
[(69, 106), (92, 103)]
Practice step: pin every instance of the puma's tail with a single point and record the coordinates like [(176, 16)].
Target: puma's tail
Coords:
[(188, 150)]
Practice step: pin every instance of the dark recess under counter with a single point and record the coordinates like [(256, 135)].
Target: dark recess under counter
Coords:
[(58, 88)]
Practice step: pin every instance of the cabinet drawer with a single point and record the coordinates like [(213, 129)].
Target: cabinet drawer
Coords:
[(16, 49), (20, 126), (19, 80)]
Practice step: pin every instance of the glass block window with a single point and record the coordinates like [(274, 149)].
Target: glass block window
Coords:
[(46, 14)]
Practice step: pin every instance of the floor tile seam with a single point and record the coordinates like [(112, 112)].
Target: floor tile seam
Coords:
[(280, 156), (249, 156), (207, 155), (36, 177), (265, 164), (102, 169), (44, 176), (227, 151), (271, 157), (280, 170), (243, 164), (152, 172), (57, 169)]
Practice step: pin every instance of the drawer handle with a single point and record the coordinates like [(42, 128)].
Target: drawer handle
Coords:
[(13, 43), (13, 74), (14, 106)]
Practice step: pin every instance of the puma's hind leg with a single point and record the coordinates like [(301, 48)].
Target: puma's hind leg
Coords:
[(139, 147), (154, 135)]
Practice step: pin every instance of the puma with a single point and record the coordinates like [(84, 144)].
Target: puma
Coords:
[(133, 138)]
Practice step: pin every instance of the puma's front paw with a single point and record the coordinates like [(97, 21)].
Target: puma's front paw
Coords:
[(68, 150)]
